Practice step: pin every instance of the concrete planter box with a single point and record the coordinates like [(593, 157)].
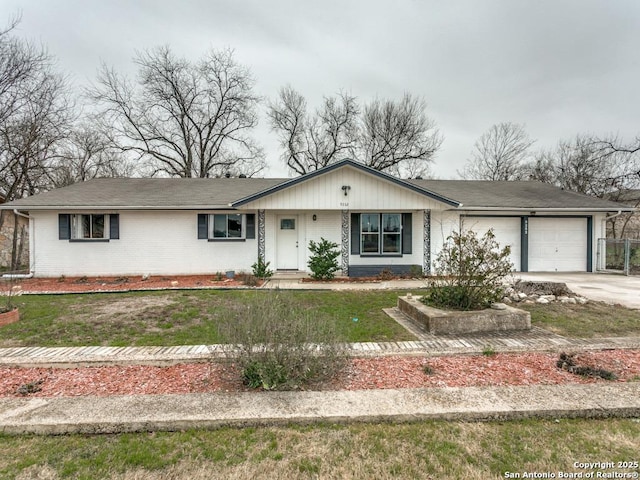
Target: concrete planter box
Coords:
[(440, 322), (9, 317)]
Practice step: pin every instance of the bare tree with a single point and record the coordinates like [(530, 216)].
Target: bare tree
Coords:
[(586, 164), (186, 119), (397, 137), (499, 153), (35, 113), (601, 167), (85, 154), (310, 143)]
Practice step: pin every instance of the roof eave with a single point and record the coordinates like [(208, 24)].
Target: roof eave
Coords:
[(117, 207), (548, 209)]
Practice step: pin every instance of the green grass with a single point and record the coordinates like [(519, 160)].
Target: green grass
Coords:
[(192, 317), (184, 317), (412, 450), (592, 320)]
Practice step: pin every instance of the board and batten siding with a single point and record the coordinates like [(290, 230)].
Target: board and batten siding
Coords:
[(151, 242), (366, 192)]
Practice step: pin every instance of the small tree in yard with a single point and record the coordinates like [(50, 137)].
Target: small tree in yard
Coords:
[(470, 271), (323, 262)]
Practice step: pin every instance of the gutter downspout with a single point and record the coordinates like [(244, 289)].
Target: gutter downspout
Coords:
[(609, 217), (31, 233)]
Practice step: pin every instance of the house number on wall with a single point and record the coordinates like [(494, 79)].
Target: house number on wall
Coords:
[(344, 204)]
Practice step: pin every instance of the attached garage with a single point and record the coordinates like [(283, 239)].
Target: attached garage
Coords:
[(558, 244), (551, 244), (506, 230)]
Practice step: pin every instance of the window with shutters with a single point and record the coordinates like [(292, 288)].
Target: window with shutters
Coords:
[(88, 226), (381, 233), (229, 226), (226, 226)]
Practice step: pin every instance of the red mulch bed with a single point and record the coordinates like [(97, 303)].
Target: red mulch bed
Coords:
[(361, 373), (123, 284)]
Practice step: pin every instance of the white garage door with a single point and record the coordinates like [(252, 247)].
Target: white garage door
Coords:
[(557, 244), (506, 230)]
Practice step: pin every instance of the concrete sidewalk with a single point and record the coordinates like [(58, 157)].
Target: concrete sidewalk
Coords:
[(141, 413), (129, 413)]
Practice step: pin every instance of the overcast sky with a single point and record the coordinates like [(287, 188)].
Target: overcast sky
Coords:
[(561, 67)]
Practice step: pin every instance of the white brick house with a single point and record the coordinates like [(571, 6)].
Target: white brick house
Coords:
[(133, 226)]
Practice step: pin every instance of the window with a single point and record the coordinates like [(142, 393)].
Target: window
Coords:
[(381, 233), (88, 226), (226, 226), (288, 224)]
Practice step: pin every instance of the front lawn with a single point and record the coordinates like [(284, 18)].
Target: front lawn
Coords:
[(434, 449), (593, 320), (189, 317), (184, 317)]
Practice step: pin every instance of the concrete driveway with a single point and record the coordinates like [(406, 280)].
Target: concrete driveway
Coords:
[(605, 287)]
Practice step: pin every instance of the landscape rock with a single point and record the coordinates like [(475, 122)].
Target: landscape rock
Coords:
[(581, 300), (542, 301), (498, 306)]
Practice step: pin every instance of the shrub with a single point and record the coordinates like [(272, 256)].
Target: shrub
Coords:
[(278, 345), (261, 269), (386, 274), (247, 279), (471, 272), (324, 259)]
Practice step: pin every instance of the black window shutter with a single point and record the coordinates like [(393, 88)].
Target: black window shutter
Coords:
[(114, 226), (406, 233), (355, 233), (203, 226), (251, 225), (64, 226)]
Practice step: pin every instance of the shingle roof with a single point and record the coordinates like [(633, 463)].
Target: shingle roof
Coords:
[(219, 193), (159, 193), (502, 195)]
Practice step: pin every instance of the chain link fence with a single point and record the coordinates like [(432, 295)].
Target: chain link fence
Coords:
[(619, 255)]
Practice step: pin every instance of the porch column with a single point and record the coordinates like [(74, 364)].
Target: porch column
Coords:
[(261, 221), (345, 242), (426, 239)]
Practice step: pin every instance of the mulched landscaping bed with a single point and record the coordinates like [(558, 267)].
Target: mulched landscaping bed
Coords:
[(124, 284), (361, 373)]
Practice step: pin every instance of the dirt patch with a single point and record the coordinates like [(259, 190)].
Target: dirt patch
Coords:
[(132, 305)]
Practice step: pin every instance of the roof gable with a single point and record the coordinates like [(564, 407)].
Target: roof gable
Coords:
[(348, 164)]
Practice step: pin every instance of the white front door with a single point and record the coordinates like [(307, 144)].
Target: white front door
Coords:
[(287, 243)]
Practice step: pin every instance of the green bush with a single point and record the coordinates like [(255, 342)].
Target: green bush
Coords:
[(261, 269), (323, 262), (278, 345), (470, 272)]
